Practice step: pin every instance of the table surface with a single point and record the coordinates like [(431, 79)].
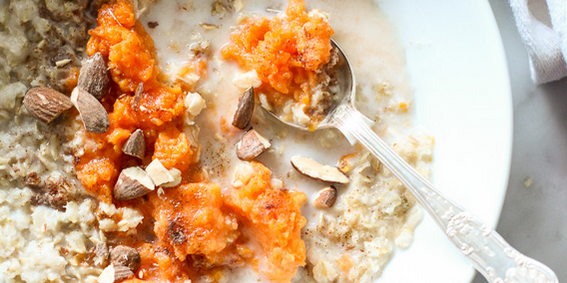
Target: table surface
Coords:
[(534, 216)]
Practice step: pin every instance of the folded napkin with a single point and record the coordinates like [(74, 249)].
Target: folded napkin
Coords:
[(545, 37)]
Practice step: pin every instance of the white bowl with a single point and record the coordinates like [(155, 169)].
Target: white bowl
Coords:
[(458, 69)]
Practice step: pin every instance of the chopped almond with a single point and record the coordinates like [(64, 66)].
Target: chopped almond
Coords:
[(251, 145), (136, 144), (132, 183), (325, 198)]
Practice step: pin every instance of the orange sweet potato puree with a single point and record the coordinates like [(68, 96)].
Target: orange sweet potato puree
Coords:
[(273, 219), (285, 51), (156, 109), (194, 230)]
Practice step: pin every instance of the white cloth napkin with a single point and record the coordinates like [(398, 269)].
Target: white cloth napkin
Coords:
[(545, 37)]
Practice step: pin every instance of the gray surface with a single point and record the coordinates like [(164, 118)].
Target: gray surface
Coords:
[(534, 217)]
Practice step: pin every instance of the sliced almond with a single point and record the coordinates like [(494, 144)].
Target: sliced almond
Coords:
[(92, 113), (176, 174), (122, 273), (94, 76), (135, 145), (159, 174), (251, 145), (318, 171), (325, 197), (46, 104), (133, 182), (245, 109), (125, 256)]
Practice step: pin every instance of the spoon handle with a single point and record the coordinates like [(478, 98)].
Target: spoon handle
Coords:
[(490, 254)]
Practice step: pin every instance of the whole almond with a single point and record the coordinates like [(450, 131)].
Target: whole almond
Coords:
[(245, 110), (46, 104), (92, 113), (94, 76)]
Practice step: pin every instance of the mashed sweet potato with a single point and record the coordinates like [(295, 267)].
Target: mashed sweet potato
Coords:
[(191, 231), (190, 220), (272, 218), (286, 51), (148, 104)]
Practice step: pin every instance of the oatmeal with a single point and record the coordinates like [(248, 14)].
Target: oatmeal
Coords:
[(47, 224)]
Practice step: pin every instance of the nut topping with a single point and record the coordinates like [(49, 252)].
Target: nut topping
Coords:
[(100, 254), (176, 174), (115, 273), (318, 171), (46, 104), (107, 275), (125, 256), (245, 109), (133, 182), (94, 77), (325, 198), (159, 174), (122, 272), (136, 145), (92, 113), (251, 145)]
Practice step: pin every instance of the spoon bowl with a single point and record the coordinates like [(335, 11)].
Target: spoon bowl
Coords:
[(482, 246)]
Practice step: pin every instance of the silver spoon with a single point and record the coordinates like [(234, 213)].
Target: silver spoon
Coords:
[(488, 252)]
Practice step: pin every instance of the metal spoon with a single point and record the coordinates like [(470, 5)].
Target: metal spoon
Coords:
[(488, 252)]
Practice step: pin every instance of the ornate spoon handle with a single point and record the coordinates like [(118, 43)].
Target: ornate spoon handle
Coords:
[(490, 254)]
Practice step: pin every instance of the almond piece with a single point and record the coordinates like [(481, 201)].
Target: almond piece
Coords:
[(176, 174), (159, 174), (122, 273), (135, 145), (133, 182), (251, 145), (92, 113), (245, 109), (318, 171), (125, 256), (115, 273), (138, 97), (107, 275), (100, 254), (46, 104), (325, 198), (94, 77)]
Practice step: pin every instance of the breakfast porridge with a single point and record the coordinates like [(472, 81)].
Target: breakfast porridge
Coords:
[(134, 146)]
